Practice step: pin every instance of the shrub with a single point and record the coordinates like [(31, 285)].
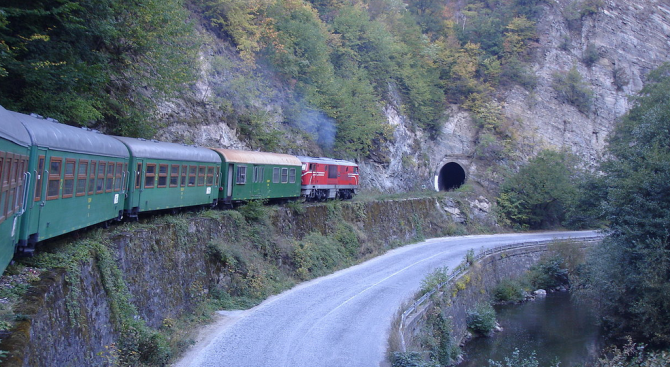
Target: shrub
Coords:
[(590, 55), (481, 320), (548, 274), (438, 339), (508, 291), (408, 359), (432, 280), (516, 361), (571, 89), (254, 211)]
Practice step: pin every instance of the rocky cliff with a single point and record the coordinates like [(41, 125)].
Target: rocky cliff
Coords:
[(624, 40)]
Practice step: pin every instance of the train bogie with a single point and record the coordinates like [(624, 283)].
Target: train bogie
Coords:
[(326, 178), (257, 175), (168, 175)]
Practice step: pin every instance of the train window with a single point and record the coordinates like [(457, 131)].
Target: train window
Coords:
[(138, 176), (332, 171), (256, 174), (9, 206), (284, 175), (91, 178), (53, 186), (174, 175), (312, 167), (241, 175), (119, 176), (192, 171), (23, 167), (275, 175), (210, 176), (38, 179), (82, 175), (68, 181), (162, 175), (100, 183), (150, 177), (291, 175), (109, 182), (12, 196), (355, 170), (201, 175), (184, 169)]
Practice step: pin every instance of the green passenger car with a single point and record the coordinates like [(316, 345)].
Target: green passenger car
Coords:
[(169, 175), (258, 175), (78, 177), (14, 179)]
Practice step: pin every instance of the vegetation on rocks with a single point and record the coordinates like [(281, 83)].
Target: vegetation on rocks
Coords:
[(338, 64)]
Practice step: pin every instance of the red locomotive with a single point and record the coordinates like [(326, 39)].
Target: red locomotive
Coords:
[(326, 178)]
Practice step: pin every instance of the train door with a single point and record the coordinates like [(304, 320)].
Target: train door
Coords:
[(257, 182), (229, 183), (137, 186)]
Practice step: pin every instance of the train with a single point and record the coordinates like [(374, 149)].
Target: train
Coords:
[(56, 179)]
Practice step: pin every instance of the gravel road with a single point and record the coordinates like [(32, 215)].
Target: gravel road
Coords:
[(340, 320)]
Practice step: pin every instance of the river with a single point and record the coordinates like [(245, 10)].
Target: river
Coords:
[(555, 328)]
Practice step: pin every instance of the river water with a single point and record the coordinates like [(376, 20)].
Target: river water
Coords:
[(555, 328)]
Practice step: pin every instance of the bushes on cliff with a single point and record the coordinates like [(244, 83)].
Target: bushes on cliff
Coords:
[(571, 88)]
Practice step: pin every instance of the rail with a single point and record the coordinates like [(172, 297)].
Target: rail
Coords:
[(464, 267)]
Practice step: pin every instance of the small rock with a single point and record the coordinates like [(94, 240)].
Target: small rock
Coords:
[(540, 293)]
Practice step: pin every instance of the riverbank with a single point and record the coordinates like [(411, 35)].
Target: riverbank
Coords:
[(437, 323)]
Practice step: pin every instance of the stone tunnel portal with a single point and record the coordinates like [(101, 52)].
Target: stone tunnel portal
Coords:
[(450, 177)]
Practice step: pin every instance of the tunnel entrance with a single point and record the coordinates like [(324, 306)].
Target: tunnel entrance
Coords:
[(451, 177)]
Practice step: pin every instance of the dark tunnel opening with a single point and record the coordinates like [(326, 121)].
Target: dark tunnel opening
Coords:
[(452, 176)]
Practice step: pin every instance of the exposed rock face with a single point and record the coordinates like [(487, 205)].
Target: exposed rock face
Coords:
[(630, 37)]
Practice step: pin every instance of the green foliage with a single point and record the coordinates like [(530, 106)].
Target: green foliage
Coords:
[(87, 63), (591, 55), (435, 278), (482, 319), (548, 274), (254, 211), (409, 359), (438, 340), (508, 291), (515, 360), (633, 355), (316, 254), (539, 194), (571, 89), (631, 270)]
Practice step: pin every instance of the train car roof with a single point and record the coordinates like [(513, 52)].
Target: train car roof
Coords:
[(12, 129), (244, 156), (323, 160), (143, 148), (49, 133)]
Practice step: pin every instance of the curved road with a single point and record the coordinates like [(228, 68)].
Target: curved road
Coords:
[(342, 319)]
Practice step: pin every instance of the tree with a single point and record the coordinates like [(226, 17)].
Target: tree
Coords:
[(539, 194), (631, 271), (94, 62)]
